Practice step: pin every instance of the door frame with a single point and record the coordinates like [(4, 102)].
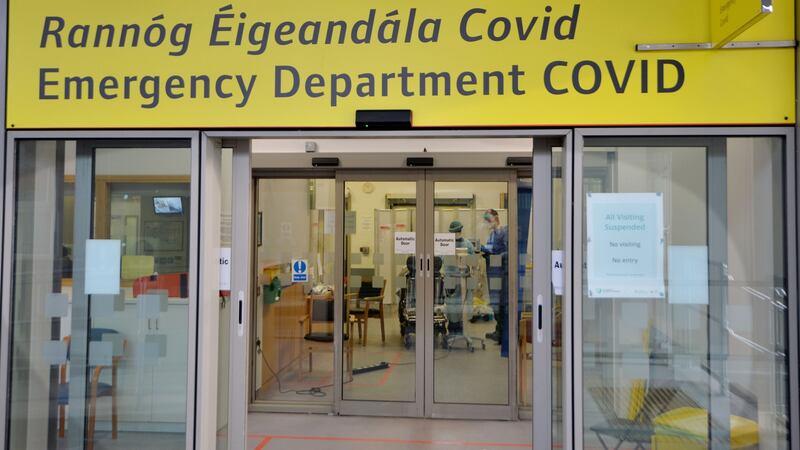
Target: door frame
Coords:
[(574, 431), (542, 415), (362, 407), (105, 139)]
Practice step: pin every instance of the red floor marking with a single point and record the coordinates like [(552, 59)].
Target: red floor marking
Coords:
[(261, 445), (267, 439), (389, 371)]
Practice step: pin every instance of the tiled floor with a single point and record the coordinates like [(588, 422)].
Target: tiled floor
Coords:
[(321, 432)]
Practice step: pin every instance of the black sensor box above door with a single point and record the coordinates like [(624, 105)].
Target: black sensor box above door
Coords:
[(383, 119)]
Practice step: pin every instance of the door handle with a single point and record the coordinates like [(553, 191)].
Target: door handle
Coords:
[(241, 314), (429, 265), (540, 318)]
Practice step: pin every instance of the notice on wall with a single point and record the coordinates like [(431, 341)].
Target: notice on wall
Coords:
[(299, 271), (329, 219), (103, 266), (688, 274), (349, 222), (444, 244), (225, 269), (405, 243), (557, 271), (625, 245)]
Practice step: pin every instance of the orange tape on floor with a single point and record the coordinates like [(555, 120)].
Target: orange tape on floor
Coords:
[(267, 439)]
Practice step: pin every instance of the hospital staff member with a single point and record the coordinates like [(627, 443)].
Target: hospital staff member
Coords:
[(455, 303), (496, 253)]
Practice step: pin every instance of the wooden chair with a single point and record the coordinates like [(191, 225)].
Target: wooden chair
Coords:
[(96, 389), (368, 304), (320, 312), (524, 355)]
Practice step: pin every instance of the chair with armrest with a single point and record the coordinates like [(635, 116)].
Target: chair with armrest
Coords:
[(319, 314), (367, 304), (644, 405), (524, 354), (96, 387)]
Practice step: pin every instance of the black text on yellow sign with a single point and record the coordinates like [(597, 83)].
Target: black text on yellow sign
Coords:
[(229, 28), (262, 63)]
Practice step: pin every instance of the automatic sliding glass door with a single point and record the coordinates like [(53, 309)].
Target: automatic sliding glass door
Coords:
[(382, 295), (471, 243), (429, 301)]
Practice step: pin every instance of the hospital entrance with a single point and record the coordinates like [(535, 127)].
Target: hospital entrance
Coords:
[(394, 277)]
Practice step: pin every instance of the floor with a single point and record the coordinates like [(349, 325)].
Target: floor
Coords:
[(321, 432), (460, 376)]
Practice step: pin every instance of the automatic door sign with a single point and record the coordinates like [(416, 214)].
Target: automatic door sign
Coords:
[(299, 271), (444, 244), (225, 269), (405, 243)]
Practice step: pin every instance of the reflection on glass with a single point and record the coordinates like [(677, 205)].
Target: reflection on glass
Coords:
[(525, 295), (225, 240), (101, 298), (557, 352), (295, 284), (470, 305), (380, 291), (684, 302)]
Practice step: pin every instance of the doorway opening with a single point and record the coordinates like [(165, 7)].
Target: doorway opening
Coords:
[(433, 312)]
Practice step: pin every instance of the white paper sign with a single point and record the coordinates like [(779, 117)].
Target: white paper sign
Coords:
[(329, 220), (557, 271), (688, 274), (405, 243), (349, 222), (103, 266), (625, 245), (444, 244), (225, 269)]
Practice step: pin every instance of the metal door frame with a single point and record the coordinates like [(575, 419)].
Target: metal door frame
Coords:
[(574, 432), (472, 411), (542, 415), (105, 139), (364, 407)]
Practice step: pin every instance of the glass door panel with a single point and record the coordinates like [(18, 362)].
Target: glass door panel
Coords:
[(294, 352), (382, 291), (470, 291)]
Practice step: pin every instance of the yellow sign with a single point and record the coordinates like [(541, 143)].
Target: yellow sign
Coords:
[(730, 18), (272, 63)]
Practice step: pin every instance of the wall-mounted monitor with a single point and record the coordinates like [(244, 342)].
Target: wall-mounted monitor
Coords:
[(168, 205)]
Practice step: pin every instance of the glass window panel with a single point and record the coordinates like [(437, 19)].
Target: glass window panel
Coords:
[(85, 219), (695, 356), (295, 282)]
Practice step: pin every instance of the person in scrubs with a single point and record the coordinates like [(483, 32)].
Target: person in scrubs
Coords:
[(496, 253), (457, 272)]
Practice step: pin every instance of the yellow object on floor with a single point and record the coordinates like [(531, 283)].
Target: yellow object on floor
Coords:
[(687, 429)]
